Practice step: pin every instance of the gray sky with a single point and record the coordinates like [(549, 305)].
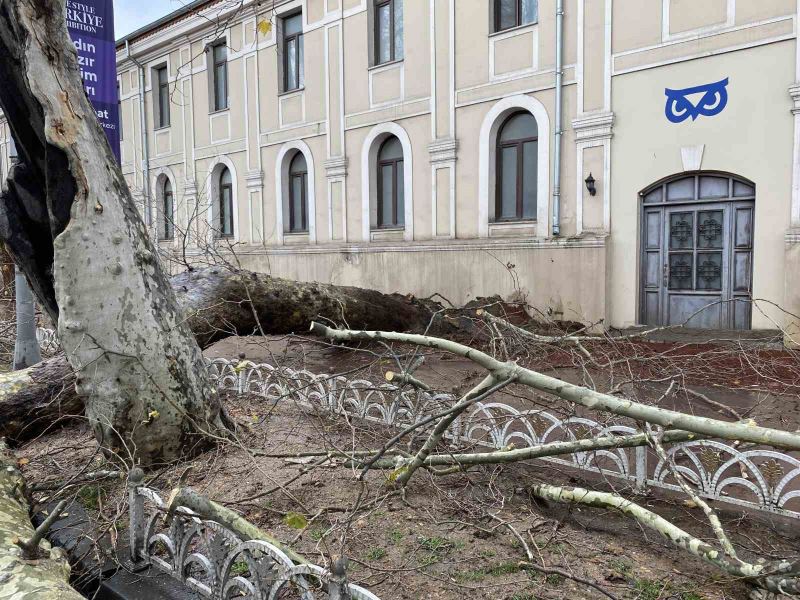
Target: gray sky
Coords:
[(130, 15)]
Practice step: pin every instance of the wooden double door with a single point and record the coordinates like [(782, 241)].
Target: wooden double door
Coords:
[(697, 252)]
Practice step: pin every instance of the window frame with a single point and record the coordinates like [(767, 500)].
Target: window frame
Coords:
[(376, 34), (519, 145), (164, 116), (497, 28), (298, 40), (380, 164), (168, 231), (303, 176), (215, 65), (221, 204)]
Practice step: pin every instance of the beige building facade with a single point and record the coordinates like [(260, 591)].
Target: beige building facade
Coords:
[(444, 146)]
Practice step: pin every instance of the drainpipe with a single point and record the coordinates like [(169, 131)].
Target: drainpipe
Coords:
[(557, 129), (145, 146)]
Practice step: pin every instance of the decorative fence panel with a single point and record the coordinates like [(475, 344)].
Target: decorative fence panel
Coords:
[(758, 478)]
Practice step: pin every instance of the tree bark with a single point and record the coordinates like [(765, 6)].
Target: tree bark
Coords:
[(71, 225), (217, 303), (45, 577)]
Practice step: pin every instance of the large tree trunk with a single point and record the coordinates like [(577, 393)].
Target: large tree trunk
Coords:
[(44, 577), (70, 223), (218, 303)]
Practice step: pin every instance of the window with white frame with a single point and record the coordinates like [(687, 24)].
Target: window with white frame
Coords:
[(388, 28), (225, 204), (508, 14), (167, 228), (517, 168), (298, 195), (292, 51), (161, 92), (390, 192), (219, 75)]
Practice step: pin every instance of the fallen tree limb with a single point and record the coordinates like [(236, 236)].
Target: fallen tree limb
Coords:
[(42, 578), (781, 576), (218, 303), (542, 451), (592, 399), (212, 511)]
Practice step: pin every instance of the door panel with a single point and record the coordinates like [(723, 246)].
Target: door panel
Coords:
[(697, 253)]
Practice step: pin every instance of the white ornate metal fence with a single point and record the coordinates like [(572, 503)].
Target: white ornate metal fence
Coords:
[(756, 478), (216, 563)]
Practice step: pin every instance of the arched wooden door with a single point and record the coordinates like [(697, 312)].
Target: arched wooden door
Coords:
[(697, 251)]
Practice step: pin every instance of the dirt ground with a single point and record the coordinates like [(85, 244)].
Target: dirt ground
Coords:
[(449, 537)]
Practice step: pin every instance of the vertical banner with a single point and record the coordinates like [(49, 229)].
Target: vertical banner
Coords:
[(91, 27)]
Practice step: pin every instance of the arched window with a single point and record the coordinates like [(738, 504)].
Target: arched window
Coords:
[(517, 168), (225, 204), (390, 188), (298, 194), (167, 207)]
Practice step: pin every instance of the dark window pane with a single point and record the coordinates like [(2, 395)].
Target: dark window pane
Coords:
[(521, 126), (508, 183), (709, 271), (163, 106), (220, 53), (655, 195), (506, 13), (291, 64), (714, 187), (298, 164), (709, 229), (387, 198), (741, 189), (226, 212), (683, 189), (168, 226), (391, 149), (529, 11), (297, 204), (384, 23), (680, 271), (293, 25), (220, 87), (398, 29), (400, 175), (225, 176), (529, 179), (681, 231)]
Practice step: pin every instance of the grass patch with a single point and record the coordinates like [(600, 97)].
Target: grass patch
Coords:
[(375, 554)]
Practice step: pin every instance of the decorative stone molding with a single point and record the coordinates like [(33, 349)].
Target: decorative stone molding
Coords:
[(792, 236), (336, 167), (190, 188), (254, 180), (443, 150), (593, 127), (794, 93)]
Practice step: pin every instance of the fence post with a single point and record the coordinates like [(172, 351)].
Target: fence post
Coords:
[(641, 469), (136, 514), (337, 587)]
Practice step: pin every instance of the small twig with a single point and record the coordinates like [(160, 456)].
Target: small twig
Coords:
[(30, 548), (568, 575)]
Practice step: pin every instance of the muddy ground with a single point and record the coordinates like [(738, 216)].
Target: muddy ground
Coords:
[(449, 537)]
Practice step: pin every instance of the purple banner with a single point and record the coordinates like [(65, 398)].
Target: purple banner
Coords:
[(91, 27)]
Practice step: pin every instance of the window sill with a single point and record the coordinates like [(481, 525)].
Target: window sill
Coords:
[(386, 65), (294, 91), (387, 234), (219, 112), (526, 228), (518, 28), (161, 128), (291, 238)]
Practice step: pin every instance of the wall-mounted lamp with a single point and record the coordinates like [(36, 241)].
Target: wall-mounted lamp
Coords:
[(590, 185)]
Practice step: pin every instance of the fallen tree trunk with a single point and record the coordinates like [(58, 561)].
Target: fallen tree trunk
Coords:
[(218, 303), (44, 577)]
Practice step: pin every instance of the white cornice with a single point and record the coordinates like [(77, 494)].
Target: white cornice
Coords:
[(336, 167), (596, 126), (792, 236), (443, 150)]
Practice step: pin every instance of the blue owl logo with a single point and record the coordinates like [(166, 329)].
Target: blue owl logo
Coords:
[(713, 101)]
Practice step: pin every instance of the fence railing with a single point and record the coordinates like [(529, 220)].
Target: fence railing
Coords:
[(216, 563), (757, 478)]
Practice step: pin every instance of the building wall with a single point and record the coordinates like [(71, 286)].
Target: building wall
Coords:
[(445, 100)]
